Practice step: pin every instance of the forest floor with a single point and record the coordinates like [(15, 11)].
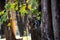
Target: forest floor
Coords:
[(24, 38)]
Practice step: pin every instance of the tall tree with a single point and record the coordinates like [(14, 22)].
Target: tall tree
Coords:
[(56, 18), (13, 23), (19, 23), (46, 23), (19, 20)]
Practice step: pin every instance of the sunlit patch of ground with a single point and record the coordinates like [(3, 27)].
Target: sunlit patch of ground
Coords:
[(24, 38), (3, 39)]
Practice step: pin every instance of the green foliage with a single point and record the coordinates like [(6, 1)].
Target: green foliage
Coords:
[(34, 12), (14, 6), (34, 3), (38, 16), (32, 6), (11, 6), (1, 13), (23, 10), (3, 18), (8, 24), (7, 6), (4, 14)]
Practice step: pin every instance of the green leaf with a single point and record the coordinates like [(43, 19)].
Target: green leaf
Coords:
[(3, 18), (1, 13), (7, 6), (8, 24)]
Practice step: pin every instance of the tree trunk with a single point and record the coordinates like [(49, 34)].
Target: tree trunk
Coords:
[(19, 23), (12, 22), (7, 31), (56, 18), (19, 20), (46, 21)]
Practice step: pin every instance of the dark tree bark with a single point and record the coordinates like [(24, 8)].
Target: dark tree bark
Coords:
[(19, 20), (2, 3), (7, 31), (55, 5), (46, 21), (19, 23), (39, 6)]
